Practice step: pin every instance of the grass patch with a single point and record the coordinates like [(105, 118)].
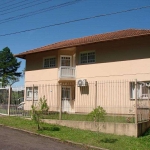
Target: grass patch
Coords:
[(108, 141), (84, 117)]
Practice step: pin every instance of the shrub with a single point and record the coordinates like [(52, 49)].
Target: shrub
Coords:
[(38, 111), (98, 114)]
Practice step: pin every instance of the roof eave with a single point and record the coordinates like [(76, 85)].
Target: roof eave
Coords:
[(23, 56)]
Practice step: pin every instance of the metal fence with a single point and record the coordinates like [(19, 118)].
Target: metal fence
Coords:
[(123, 100), (142, 102), (12, 101)]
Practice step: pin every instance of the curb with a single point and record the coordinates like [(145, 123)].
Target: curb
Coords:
[(56, 139)]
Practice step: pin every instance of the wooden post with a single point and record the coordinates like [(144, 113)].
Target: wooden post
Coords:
[(136, 117), (60, 104), (95, 94), (9, 99)]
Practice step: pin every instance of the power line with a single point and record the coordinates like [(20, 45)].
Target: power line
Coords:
[(12, 4), (38, 11), (6, 2), (25, 7), (77, 20)]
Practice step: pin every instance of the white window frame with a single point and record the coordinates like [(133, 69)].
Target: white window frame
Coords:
[(66, 56), (86, 52), (140, 91), (29, 97), (51, 57)]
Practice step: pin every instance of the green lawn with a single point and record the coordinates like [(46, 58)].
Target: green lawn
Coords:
[(82, 117), (108, 141), (76, 117)]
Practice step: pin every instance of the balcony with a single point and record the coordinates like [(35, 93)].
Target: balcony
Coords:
[(66, 72)]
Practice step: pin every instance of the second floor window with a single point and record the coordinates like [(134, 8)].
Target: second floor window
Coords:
[(87, 57), (49, 62)]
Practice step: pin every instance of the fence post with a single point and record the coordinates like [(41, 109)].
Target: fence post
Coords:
[(9, 99), (95, 94), (136, 118), (136, 112), (33, 95), (149, 100), (60, 109)]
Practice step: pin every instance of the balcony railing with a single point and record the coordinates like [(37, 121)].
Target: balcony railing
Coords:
[(67, 72)]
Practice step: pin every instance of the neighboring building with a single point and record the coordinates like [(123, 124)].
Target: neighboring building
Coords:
[(104, 57)]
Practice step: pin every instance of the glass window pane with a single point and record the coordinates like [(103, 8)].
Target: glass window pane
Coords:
[(65, 61), (91, 57), (52, 62), (84, 58), (46, 63), (88, 57), (35, 92), (49, 62), (29, 92)]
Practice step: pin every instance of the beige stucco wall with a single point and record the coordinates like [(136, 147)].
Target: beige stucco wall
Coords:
[(116, 60), (122, 59), (43, 76)]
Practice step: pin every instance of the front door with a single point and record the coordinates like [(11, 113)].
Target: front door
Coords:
[(66, 97)]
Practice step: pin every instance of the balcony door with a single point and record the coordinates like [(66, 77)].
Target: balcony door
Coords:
[(66, 70), (65, 61), (66, 97)]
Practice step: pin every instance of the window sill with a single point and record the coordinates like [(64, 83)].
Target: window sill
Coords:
[(87, 63), (143, 98), (30, 99)]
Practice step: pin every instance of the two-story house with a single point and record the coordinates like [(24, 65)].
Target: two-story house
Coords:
[(67, 71)]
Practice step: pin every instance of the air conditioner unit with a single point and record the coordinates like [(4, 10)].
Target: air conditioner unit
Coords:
[(82, 82), (148, 84)]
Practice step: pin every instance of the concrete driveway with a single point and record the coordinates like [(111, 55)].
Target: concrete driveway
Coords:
[(11, 139)]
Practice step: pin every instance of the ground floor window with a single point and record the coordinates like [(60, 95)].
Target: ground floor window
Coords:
[(142, 89), (29, 93)]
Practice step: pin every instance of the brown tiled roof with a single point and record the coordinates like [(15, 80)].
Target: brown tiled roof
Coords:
[(88, 40)]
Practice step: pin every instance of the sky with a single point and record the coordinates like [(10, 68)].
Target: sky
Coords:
[(22, 15)]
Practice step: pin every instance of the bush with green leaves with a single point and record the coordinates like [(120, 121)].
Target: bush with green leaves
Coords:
[(98, 114), (38, 111)]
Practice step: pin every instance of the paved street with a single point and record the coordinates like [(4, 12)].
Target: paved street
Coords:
[(17, 140)]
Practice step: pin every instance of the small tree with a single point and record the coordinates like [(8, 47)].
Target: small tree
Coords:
[(39, 110), (97, 115)]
